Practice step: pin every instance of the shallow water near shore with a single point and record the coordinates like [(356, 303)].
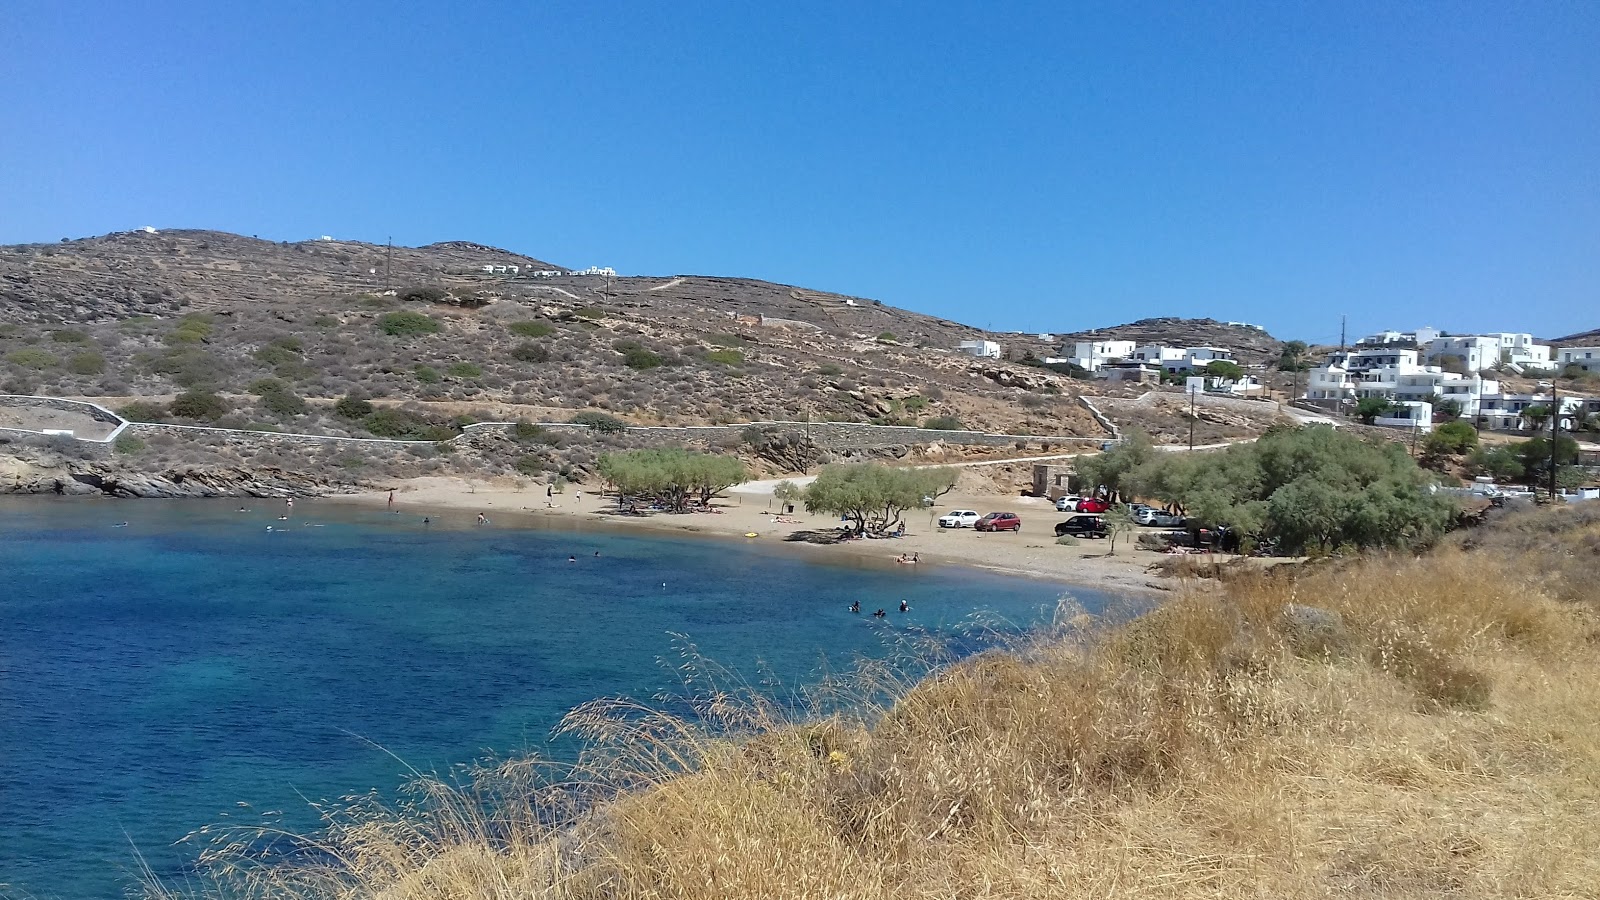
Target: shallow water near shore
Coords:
[(156, 674)]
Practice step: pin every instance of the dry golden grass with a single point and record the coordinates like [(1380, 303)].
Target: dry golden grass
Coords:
[(1446, 744)]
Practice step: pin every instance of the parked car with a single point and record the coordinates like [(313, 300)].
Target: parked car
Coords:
[(959, 518), (1068, 503), (1157, 518), (1093, 505), (1089, 525), (999, 521)]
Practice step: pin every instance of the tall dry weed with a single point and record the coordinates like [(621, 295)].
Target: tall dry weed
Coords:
[(1450, 747)]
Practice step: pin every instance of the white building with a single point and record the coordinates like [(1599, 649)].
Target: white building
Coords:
[(1417, 338), (1426, 383), (1417, 414), (1330, 382), (1522, 351), (604, 271), (980, 349), (1473, 352), (1505, 412), (1091, 356), (1585, 358), (1179, 359)]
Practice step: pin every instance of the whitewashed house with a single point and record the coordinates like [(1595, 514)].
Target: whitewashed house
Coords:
[(1585, 358), (1092, 356), (1505, 412), (1522, 351), (1474, 352), (1415, 414), (1431, 381), (980, 349)]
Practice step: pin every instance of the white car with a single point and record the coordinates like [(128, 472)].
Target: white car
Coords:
[(1068, 503), (959, 518), (1157, 518)]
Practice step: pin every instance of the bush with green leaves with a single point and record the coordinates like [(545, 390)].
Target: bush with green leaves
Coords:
[(1314, 487), (69, 336), (88, 362), (464, 370), (725, 357), (528, 351), (590, 313), (1451, 439), (531, 328), (600, 422), (408, 324), (143, 411), (279, 397), (32, 358), (944, 423), (192, 329), (128, 445), (529, 433), (640, 358), (726, 340), (1368, 409), (202, 406), (424, 294), (401, 424), (352, 408), (671, 476), (189, 367), (874, 496), (427, 374), (829, 370), (886, 337), (530, 464)]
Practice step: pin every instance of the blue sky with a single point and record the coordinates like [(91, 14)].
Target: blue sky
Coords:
[(1048, 166)]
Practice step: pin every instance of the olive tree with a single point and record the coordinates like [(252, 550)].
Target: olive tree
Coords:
[(671, 476), (874, 496)]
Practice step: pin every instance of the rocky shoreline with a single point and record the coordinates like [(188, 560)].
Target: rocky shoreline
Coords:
[(50, 473)]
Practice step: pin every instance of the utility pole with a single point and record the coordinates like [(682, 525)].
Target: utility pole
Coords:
[(1191, 418), (388, 266), (1555, 434), (1341, 332)]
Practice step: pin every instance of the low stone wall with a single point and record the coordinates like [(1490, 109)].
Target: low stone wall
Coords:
[(92, 410), (827, 435), (230, 437), (61, 442)]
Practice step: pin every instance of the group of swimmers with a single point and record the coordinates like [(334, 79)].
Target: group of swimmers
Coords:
[(905, 560), (855, 607)]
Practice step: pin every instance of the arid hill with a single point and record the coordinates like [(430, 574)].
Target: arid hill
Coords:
[(1252, 345)]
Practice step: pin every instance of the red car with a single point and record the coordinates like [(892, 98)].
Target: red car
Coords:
[(1001, 521), (1093, 505)]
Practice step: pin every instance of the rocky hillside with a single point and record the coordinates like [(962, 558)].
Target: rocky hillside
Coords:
[(1581, 339), (1251, 344)]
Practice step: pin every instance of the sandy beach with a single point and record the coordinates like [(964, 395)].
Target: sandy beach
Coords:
[(1032, 553)]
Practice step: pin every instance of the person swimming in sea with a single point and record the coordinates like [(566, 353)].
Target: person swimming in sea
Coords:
[(856, 606), (880, 614), (572, 559), (904, 606)]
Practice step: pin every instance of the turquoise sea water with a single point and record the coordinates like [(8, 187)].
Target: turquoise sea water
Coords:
[(155, 676)]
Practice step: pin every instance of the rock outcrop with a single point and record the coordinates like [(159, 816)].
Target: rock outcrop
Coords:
[(49, 473)]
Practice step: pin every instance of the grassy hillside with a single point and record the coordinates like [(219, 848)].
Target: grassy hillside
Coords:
[(1382, 727)]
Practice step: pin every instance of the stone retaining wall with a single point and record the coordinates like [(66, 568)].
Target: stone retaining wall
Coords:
[(827, 435)]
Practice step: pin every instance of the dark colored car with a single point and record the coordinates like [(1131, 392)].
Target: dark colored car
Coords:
[(999, 521), (1093, 505), (1087, 525)]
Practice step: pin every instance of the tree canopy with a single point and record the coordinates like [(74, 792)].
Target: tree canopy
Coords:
[(1304, 487), (671, 476), (874, 496)]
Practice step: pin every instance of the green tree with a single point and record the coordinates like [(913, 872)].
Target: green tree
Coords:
[(1295, 357), (1536, 416), (1534, 454), (1448, 408), (1222, 368), (1368, 409), (1108, 469), (1451, 439), (1499, 462), (672, 476), (874, 496), (351, 407)]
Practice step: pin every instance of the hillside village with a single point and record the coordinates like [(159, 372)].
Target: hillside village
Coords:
[(194, 333)]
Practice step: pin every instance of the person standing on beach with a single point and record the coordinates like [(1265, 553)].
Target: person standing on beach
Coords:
[(391, 499)]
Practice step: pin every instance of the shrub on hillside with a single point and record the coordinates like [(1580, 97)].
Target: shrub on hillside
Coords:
[(530, 352), (464, 370), (31, 358), (591, 313), (203, 406), (529, 464), (128, 445), (424, 294), (69, 336), (944, 423), (408, 324), (600, 423), (725, 357), (87, 363), (192, 329), (352, 408), (400, 424), (279, 397), (428, 375), (143, 411), (531, 328), (640, 358)]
